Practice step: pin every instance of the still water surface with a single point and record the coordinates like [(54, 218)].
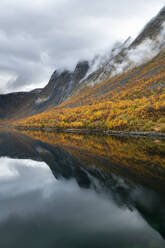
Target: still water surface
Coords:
[(72, 191)]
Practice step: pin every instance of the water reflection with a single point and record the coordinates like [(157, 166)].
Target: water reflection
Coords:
[(58, 194)]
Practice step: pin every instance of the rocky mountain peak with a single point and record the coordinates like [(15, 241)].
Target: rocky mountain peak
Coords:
[(80, 70), (57, 73), (82, 65), (162, 12), (152, 29), (61, 85)]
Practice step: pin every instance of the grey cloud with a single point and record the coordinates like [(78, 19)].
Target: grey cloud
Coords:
[(36, 37)]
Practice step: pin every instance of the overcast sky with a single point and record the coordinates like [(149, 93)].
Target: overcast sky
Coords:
[(39, 36)]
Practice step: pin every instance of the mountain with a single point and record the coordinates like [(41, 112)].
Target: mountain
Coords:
[(120, 91), (13, 105), (59, 88), (152, 29), (122, 57), (61, 85)]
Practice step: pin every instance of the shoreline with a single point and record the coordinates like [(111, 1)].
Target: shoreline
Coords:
[(95, 131)]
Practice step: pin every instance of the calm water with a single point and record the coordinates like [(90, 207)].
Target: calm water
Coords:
[(72, 191)]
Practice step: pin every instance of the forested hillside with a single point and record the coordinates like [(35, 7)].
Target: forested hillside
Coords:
[(134, 100), (126, 91)]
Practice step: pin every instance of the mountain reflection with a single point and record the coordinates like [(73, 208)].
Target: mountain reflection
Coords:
[(81, 191)]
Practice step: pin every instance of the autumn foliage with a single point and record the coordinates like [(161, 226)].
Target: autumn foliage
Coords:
[(131, 101)]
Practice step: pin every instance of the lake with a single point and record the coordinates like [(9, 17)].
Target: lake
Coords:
[(81, 191)]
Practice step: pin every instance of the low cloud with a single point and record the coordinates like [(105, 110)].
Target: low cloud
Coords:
[(139, 55), (37, 37)]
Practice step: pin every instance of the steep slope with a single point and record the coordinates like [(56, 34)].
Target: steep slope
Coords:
[(152, 29), (61, 85), (15, 105), (129, 72), (125, 56), (134, 100)]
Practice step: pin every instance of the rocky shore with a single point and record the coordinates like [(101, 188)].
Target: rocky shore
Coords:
[(95, 131)]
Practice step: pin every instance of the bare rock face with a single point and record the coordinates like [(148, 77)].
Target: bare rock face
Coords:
[(61, 85), (80, 70), (59, 88), (152, 29), (64, 84), (154, 32)]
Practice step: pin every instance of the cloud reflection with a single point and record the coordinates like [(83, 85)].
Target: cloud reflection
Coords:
[(36, 210)]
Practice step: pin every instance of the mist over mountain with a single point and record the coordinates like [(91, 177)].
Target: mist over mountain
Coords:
[(38, 37), (71, 88)]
